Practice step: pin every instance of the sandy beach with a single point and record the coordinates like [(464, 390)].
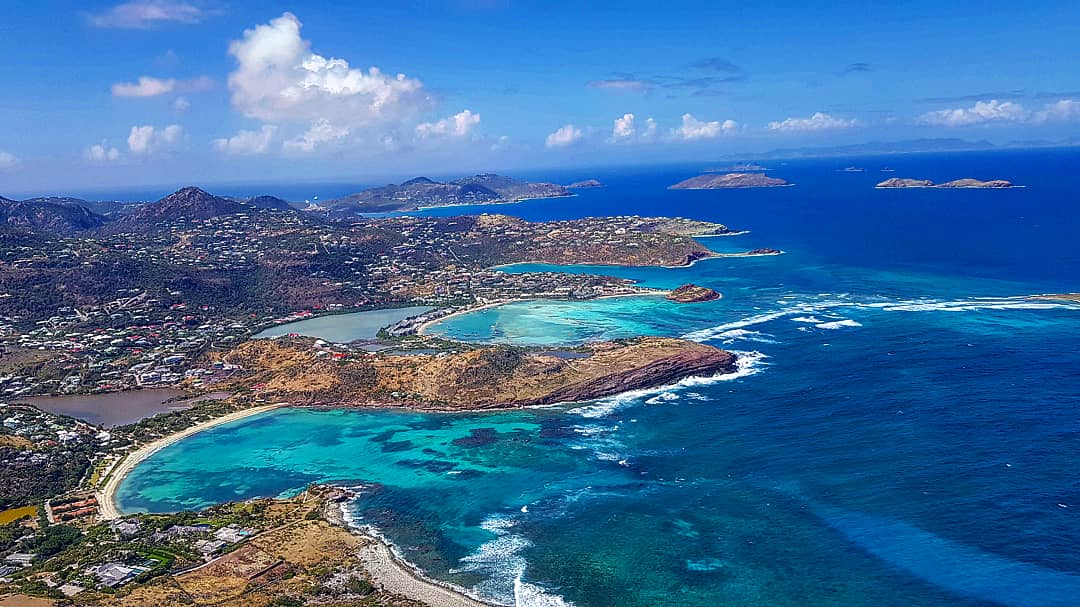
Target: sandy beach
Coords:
[(106, 495), (396, 577)]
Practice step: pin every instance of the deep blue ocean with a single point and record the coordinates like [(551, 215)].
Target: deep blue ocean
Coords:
[(903, 430)]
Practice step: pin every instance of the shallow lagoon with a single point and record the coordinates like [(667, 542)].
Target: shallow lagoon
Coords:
[(342, 328)]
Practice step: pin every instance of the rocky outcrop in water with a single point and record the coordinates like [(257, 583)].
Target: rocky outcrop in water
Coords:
[(711, 181), (691, 293), (897, 182)]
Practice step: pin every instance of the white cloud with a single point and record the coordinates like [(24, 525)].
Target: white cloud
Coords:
[(1060, 111), (247, 143), (147, 139), (146, 86), (144, 14), (983, 112), (9, 161), (566, 135), (320, 132), (502, 143), (624, 128), (458, 125), (101, 153), (181, 104), (627, 128), (277, 78), (819, 121), (692, 128)]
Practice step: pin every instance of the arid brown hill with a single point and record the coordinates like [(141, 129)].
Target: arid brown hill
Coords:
[(482, 378)]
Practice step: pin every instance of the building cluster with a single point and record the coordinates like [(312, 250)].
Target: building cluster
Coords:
[(154, 334)]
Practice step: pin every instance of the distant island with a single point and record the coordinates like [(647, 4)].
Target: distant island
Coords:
[(897, 182), (422, 192), (586, 183), (691, 293), (739, 168), (711, 181)]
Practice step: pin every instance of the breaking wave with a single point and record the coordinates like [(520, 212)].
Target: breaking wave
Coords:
[(746, 364)]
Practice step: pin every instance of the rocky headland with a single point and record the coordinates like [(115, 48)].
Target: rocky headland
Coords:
[(306, 372), (712, 181), (586, 183)]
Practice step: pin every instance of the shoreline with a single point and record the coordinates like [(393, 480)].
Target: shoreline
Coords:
[(394, 573), (106, 495)]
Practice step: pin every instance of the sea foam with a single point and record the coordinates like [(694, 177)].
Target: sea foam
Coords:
[(746, 364)]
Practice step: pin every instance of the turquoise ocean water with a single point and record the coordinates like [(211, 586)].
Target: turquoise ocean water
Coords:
[(903, 429)]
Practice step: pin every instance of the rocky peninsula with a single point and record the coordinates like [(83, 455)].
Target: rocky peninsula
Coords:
[(691, 293), (711, 181), (586, 183), (302, 371), (897, 182)]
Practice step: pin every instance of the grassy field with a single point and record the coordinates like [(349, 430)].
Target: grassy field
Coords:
[(8, 516)]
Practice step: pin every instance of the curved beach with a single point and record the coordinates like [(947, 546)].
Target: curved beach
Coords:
[(106, 495), (385, 568)]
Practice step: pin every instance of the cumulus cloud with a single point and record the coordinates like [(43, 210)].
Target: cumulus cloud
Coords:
[(145, 140), (144, 14), (692, 128), (819, 121), (247, 143), (279, 79), (146, 86), (566, 135), (1060, 111), (101, 153), (627, 128), (624, 128), (9, 161), (321, 132), (181, 104), (983, 112), (458, 125)]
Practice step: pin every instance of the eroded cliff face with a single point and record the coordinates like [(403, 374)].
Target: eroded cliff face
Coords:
[(481, 378)]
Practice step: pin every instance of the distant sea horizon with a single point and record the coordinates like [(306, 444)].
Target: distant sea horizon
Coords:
[(301, 190)]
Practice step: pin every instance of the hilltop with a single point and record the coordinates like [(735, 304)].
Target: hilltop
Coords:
[(48, 216), (420, 192)]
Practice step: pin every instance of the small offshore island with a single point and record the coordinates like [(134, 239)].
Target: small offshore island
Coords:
[(586, 183), (691, 293), (712, 181), (898, 182)]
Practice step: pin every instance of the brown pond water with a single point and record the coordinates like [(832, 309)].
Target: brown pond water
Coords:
[(117, 408)]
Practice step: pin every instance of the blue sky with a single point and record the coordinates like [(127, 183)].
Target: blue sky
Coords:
[(105, 94)]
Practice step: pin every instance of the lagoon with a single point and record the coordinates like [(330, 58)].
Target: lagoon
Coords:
[(342, 328)]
